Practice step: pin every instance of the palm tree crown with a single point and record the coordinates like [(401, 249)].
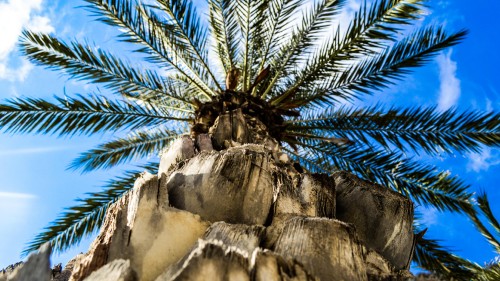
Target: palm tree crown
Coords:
[(255, 56)]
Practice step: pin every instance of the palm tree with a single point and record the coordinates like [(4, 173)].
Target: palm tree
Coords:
[(253, 56)]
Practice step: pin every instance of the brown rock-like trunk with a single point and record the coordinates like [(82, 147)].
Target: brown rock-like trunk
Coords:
[(231, 206)]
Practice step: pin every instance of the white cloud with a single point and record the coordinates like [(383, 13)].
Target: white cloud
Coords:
[(489, 105), (350, 8), (482, 161), (40, 24), (17, 209), (429, 216), (443, 3), (449, 91), (33, 150), (16, 195), (20, 73), (15, 15)]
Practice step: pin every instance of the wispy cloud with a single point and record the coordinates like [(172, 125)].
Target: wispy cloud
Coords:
[(429, 216), (449, 91), (14, 16), (482, 161), (16, 195), (32, 150)]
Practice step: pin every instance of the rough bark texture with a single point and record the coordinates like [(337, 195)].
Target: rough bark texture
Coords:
[(382, 217), (210, 261), (142, 228), (240, 236), (273, 267), (305, 194), (117, 270), (328, 248), (235, 185), (239, 209)]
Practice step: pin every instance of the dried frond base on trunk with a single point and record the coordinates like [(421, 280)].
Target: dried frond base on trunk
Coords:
[(328, 248), (305, 194), (235, 185), (117, 270), (383, 218), (143, 229), (214, 260)]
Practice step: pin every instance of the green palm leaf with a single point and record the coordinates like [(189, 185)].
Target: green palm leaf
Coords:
[(377, 72), (370, 30), (277, 18), (485, 209), (224, 28), (86, 218), (96, 65), (414, 129), (431, 256), (292, 52), (191, 31), (80, 115), (488, 273), (160, 41), (484, 206), (251, 15), (121, 150)]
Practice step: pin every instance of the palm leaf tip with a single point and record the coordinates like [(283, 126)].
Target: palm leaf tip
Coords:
[(492, 235)]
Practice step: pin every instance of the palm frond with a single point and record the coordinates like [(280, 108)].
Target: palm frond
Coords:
[(439, 260), (96, 65), (118, 151), (371, 29), (251, 15), (277, 18), (485, 209), (431, 256), (484, 206), (487, 273), (422, 183), (224, 29), (160, 40), (87, 216), (80, 115), (485, 232), (379, 71), (406, 129), (181, 55), (290, 53), (191, 30)]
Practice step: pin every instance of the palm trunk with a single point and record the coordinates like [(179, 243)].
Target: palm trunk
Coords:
[(242, 211)]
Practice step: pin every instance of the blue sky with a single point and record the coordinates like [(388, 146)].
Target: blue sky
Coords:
[(36, 184)]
